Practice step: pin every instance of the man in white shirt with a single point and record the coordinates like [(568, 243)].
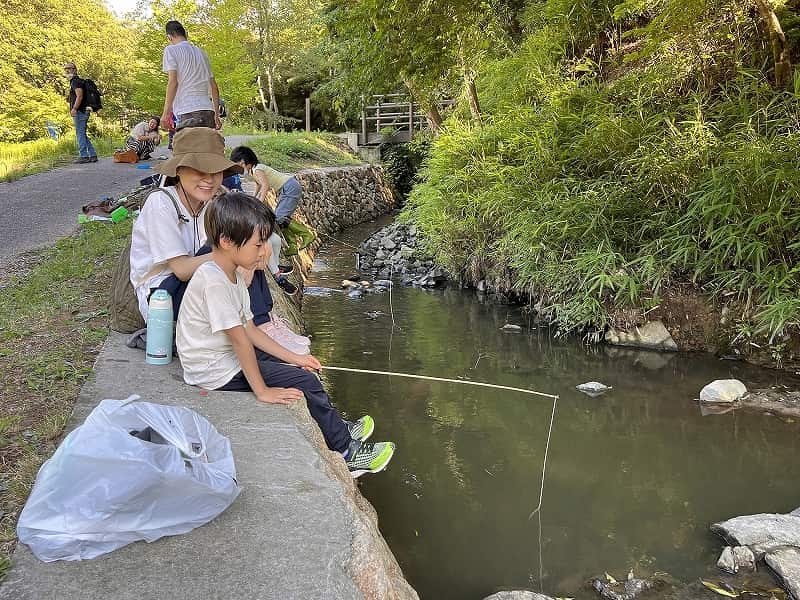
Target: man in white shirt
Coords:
[(192, 92)]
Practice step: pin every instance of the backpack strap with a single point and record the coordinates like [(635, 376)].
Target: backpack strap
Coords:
[(181, 218)]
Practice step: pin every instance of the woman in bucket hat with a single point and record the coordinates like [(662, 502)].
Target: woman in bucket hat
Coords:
[(169, 232), (168, 242)]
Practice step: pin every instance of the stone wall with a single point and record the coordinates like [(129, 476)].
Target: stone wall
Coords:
[(333, 199), (337, 197)]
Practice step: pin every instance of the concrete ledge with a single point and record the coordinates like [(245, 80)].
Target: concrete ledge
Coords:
[(300, 529)]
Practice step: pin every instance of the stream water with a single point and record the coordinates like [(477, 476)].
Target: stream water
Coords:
[(634, 477)]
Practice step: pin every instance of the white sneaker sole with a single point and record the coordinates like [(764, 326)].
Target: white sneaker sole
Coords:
[(358, 473)]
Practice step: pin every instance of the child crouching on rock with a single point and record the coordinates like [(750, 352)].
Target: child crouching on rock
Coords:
[(216, 337), (289, 193)]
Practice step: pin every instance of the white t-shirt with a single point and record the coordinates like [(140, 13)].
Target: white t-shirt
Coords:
[(158, 236), (210, 305), (143, 129), (194, 75)]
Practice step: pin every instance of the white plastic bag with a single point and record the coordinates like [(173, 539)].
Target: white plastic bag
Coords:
[(104, 488)]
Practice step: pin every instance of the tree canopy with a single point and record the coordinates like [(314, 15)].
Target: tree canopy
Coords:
[(34, 87)]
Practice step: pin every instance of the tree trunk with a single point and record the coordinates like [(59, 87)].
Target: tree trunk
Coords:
[(261, 94), (432, 113), (780, 49), (273, 103), (472, 96)]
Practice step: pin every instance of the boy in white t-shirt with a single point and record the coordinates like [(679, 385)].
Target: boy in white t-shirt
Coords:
[(216, 337)]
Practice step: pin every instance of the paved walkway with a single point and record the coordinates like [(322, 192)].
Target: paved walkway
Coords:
[(299, 529), (37, 210)]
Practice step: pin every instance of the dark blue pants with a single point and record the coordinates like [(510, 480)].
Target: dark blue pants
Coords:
[(277, 374)]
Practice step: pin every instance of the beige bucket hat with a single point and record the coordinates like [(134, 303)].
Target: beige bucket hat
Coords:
[(200, 148)]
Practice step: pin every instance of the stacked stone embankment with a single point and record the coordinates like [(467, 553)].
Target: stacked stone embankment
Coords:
[(335, 198), (395, 251)]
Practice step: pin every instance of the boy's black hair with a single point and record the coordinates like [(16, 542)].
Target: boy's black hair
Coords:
[(236, 216), (244, 153), (175, 28)]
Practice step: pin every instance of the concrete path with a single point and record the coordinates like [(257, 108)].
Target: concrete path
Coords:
[(38, 210), (296, 530)]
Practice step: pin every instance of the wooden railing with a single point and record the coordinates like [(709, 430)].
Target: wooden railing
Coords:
[(395, 112)]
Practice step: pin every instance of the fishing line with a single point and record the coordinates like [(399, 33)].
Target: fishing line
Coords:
[(330, 237), (544, 463), (446, 380), (391, 307)]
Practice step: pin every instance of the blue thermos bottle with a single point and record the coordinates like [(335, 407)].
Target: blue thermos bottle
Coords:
[(159, 328)]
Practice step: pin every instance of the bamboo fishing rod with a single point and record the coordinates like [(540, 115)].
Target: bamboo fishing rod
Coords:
[(442, 379)]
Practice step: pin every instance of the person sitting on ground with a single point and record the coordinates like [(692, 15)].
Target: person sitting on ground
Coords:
[(141, 142), (216, 337), (289, 194), (168, 241)]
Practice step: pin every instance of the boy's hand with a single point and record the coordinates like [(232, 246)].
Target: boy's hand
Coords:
[(276, 395), (308, 362)]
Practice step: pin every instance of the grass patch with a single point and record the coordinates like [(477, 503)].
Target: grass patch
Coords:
[(295, 151), (27, 158), (54, 321)]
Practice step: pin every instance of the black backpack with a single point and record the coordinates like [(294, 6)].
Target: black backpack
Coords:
[(91, 95)]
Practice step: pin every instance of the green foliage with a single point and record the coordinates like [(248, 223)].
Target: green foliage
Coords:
[(427, 48), (401, 162), (34, 87), (625, 150), (25, 158)]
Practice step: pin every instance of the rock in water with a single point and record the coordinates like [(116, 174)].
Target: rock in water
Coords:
[(593, 388), (627, 590), (723, 390), (652, 335), (511, 327), (762, 532), (744, 558), (726, 561), (786, 564), (517, 595)]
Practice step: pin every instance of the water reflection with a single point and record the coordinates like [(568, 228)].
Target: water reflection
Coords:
[(634, 476)]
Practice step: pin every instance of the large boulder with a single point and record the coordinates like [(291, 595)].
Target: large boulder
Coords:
[(653, 335), (786, 564), (723, 390), (762, 532)]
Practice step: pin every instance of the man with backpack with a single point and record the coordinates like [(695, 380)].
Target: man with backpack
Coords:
[(79, 102)]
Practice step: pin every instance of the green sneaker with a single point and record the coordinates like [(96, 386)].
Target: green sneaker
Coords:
[(370, 457), (361, 430)]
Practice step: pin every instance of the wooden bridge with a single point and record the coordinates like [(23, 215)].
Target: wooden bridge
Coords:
[(391, 118)]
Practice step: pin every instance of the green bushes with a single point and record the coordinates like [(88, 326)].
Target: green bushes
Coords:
[(401, 162), (596, 188)]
